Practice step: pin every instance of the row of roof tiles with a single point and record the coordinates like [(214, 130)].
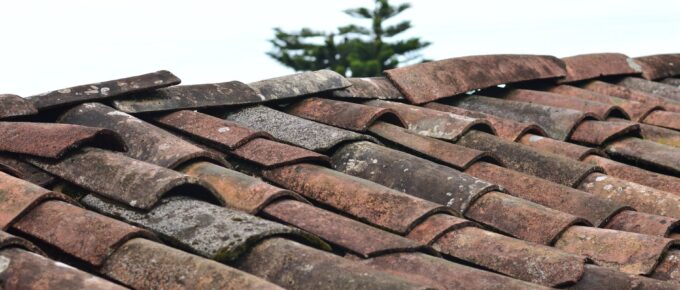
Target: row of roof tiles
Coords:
[(567, 176)]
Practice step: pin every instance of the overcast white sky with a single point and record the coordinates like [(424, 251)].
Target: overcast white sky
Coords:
[(49, 44)]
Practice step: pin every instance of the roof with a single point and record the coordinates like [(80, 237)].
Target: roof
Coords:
[(479, 172)]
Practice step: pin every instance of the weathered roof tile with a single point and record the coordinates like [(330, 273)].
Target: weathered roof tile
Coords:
[(51, 140), (213, 131), (145, 141), (346, 115), (117, 177), (12, 106), (18, 197), (430, 81), (104, 90), (367, 201), (595, 65), (88, 236), (505, 128), (294, 130), (659, 66), (300, 84), (434, 123), (25, 270), (557, 122), (370, 88)]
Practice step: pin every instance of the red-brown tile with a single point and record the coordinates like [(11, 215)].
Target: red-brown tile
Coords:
[(659, 66), (268, 153), (549, 145), (430, 81), (346, 115), (597, 133), (18, 197), (12, 106), (595, 65), (628, 172), (54, 140)]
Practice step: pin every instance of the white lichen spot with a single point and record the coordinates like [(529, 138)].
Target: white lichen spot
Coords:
[(115, 113), (104, 91), (93, 90), (64, 91), (405, 169), (164, 146), (449, 194), (4, 263), (600, 178), (262, 97), (535, 138), (449, 178), (60, 264), (224, 129), (307, 267), (608, 187), (133, 203), (158, 82), (634, 65), (374, 161)]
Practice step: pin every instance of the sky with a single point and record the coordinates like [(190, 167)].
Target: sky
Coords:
[(47, 44)]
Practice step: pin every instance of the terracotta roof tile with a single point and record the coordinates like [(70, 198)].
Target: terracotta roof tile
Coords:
[(644, 223), (269, 153), (642, 198), (288, 264), (569, 150), (595, 65), (530, 161), (349, 234), (483, 248), (659, 66), (210, 231), (370, 88), (54, 140), (350, 116), (18, 197), (238, 190), (600, 110), (135, 183), (660, 89), (104, 90), (651, 154), (637, 175), (145, 141), (143, 264), (25, 270), (599, 277), (85, 235), (409, 174), (434, 123), (627, 252), (12, 106), (448, 153), (213, 131), (430, 81), (190, 97), (444, 274), (294, 130), (505, 128), (8, 241), (636, 110), (660, 135), (664, 119), (598, 133), (360, 198), (632, 95), (300, 84), (558, 123), (26, 171), (595, 210)]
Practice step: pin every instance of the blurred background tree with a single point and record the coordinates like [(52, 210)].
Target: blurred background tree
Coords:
[(352, 50)]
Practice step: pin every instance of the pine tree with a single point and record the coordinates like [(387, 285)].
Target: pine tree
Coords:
[(352, 50)]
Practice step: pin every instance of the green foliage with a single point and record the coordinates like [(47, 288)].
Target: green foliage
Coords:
[(352, 49)]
